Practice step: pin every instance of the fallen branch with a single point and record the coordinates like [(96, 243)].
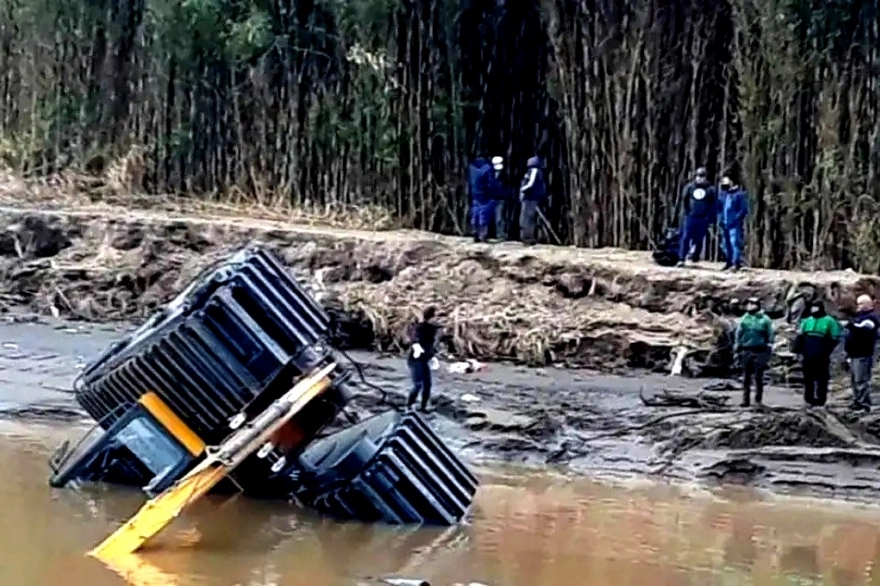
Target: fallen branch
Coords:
[(667, 398)]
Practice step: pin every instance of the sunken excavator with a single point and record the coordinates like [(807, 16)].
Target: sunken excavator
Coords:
[(229, 389)]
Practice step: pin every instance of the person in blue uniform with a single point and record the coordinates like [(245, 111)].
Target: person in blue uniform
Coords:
[(733, 213), (485, 189), (700, 209)]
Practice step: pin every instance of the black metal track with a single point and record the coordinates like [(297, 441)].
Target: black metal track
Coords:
[(243, 331), (391, 468)]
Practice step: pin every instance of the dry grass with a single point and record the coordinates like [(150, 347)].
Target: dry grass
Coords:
[(492, 306), (121, 186)]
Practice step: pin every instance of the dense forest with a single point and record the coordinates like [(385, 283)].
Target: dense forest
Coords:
[(351, 103)]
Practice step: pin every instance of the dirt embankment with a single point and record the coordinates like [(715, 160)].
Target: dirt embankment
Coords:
[(602, 309), (606, 310)]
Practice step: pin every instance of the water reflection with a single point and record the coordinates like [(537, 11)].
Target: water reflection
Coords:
[(526, 531)]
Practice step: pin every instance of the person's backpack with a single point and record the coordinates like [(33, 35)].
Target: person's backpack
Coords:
[(666, 253)]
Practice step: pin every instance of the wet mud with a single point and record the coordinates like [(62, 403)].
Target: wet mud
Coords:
[(574, 421)]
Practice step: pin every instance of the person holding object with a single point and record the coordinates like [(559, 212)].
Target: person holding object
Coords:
[(532, 192), (421, 359), (818, 336), (861, 341), (754, 342), (733, 212), (700, 208)]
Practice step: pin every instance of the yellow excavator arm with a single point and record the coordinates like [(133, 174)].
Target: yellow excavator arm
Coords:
[(159, 512)]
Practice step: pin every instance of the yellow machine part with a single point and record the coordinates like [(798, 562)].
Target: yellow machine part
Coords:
[(172, 423), (137, 571), (160, 511)]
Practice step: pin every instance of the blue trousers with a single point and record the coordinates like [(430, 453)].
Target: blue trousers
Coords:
[(733, 244), (694, 233), (482, 216)]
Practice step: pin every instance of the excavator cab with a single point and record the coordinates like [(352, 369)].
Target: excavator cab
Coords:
[(146, 446)]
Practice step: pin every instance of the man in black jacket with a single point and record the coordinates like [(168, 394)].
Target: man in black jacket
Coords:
[(421, 359), (860, 343)]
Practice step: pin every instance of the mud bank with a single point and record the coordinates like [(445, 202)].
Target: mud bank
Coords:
[(608, 310), (574, 421)]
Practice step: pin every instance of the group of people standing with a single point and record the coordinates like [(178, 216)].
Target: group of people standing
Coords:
[(704, 205), (818, 336), (491, 198)]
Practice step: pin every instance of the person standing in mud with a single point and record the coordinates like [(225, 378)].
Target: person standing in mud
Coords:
[(421, 359), (754, 343), (860, 344), (818, 336)]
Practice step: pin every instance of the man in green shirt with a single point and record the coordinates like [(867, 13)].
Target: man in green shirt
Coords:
[(819, 335), (754, 343)]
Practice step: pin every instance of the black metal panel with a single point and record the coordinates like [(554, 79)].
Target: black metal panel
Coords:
[(243, 328), (406, 474)]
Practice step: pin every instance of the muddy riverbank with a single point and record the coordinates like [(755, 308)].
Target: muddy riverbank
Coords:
[(571, 420)]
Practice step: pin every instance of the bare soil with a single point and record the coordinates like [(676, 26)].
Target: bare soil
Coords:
[(607, 311)]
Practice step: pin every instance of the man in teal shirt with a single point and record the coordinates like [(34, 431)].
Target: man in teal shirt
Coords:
[(754, 343)]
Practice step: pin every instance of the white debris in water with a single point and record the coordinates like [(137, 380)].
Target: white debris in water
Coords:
[(469, 398), (10, 345)]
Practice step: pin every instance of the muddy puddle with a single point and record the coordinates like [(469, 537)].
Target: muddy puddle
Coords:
[(525, 530)]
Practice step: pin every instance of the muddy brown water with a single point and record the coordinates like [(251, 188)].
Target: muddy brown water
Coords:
[(527, 528)]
